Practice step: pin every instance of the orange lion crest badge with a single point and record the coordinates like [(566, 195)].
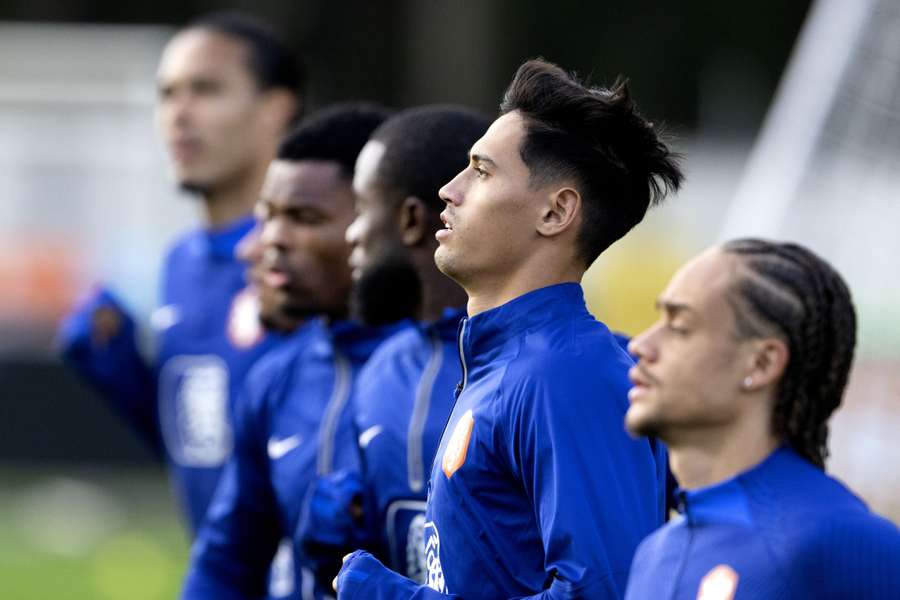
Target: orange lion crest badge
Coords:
[(458, 446), (719, 584)]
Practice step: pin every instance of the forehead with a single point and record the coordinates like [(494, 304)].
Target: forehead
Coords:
[(366, 170), (703, 283), (200, 52), (308, 183), (502, 140)]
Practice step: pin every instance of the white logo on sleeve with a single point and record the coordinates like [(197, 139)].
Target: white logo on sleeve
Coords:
[(435, 578), (278, 448)]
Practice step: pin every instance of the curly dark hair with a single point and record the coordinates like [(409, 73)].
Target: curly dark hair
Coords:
[(786, 290)]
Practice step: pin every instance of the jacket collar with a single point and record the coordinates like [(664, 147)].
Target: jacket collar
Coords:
[(727, 501), (447, 327), (223, 241), (492, 328), (357, 342)]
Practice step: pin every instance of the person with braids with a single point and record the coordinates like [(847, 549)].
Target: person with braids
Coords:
[(739, 377), (536, 490)]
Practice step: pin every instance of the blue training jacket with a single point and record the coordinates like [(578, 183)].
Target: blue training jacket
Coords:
[(783, 529), (405, 398), (292, 423), (536, 491), (208, 338)]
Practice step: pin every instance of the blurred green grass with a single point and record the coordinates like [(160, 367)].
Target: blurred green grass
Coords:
[(89, 534)]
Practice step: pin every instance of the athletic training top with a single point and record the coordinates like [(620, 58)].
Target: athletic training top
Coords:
[(537, 491), (405, 398), (783, 529), (208, 338), (292, 423)]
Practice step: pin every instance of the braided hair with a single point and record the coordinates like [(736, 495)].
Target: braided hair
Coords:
[(787, 290)]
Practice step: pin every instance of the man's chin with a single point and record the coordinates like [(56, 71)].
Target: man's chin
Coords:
[(640, 424), (194, 186), (445, 263), (278, 321), (386, 292)]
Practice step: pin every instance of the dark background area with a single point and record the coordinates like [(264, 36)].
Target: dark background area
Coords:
[(671, 51), (703, 67)]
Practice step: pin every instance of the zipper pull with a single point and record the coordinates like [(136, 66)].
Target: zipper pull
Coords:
[(459, 389)]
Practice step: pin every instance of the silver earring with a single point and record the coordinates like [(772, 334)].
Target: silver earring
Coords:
[(748, 381)]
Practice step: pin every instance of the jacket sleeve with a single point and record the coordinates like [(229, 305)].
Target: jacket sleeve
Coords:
[(363, 577), (234, 548), (851, 556), (594, 490), (113, 368), (328, 527)]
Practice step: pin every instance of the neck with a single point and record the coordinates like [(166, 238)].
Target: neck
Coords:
[(707, 457), (494, 292), (233, 200)]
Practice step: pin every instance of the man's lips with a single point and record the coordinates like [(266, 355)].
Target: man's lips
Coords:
[(275, 278), (184, 150), (640, 380), (357, 258), (443, 234)]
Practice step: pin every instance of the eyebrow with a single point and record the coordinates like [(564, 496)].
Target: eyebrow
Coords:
[(482, 159), (673, 308)]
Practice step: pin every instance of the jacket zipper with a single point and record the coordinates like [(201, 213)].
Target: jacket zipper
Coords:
[(462, 359), (459, 389), (415, 468), (336, 403)]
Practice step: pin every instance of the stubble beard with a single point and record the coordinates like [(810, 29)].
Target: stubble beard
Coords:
[(195, 188), (644, 426)]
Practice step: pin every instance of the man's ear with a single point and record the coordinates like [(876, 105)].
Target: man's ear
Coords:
[(560, 212), (280, 108), (768, 362), (413, 221)]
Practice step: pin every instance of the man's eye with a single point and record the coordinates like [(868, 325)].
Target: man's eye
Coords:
[(206, 87), (305, 217), (480, 172)]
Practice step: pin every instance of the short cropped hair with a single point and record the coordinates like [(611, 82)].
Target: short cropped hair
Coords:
[(425, 147), (595, 136), (271, 62), (336, 133)]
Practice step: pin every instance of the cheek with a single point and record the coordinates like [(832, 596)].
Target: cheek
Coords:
[(162, 116), (232, 122), (702, 381), (330, 252), (502, 229)]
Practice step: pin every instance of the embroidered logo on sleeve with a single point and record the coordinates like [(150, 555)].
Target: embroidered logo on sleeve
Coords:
[(719, 584), (455, 453)]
